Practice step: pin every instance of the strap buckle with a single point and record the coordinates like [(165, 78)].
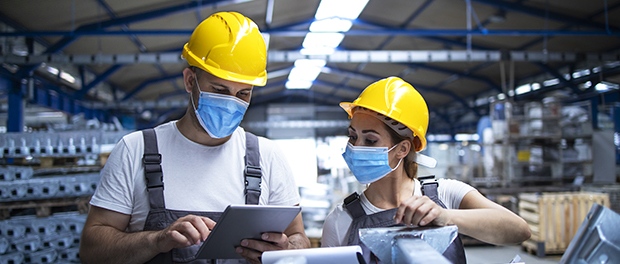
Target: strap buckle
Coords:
[(351, 198), (427, 180), (253, 171), (151, 158)]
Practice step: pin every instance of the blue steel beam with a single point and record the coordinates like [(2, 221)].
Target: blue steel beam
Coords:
[(422, 33), (559, 76), (326, 98), (407, 22), (459, 74), (541, 13), (11, 23), (146, 83), (590, 17), (419, 87), (606, 72), (68, 39), (135, 39), (100, 78), (444, 41)]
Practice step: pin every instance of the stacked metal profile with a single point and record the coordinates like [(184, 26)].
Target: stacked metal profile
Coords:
[(52, 175), (54, 239)]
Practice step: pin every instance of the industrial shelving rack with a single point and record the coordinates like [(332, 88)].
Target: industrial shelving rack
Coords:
[(527, 141)]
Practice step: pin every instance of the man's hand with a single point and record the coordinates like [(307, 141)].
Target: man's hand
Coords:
[(185, 231), (252, 249), (293, 237)]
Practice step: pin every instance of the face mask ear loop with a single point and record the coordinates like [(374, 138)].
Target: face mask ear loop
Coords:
[(191, 95), (401, 160)]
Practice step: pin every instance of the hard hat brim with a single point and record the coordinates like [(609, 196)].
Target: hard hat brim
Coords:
[(348, 107), (193, 60)]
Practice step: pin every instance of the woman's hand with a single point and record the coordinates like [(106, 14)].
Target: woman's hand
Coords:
[(420, 211)]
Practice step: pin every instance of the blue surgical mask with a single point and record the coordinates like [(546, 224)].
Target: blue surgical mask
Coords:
[(219, 114), (368, 164)]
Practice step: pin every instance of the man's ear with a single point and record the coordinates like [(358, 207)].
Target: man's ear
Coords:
[(189, 79)]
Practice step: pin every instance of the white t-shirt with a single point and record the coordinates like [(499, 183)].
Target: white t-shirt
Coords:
[(337, 223), (196, 177)]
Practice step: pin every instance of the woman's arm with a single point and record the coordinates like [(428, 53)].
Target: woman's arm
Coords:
[(487, 221), (477, 217)]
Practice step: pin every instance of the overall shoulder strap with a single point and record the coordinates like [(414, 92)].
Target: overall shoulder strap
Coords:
[(252, 172), (429, 188), (353, 205), (152, 169)]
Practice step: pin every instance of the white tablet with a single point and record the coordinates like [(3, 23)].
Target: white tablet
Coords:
[(244, 221)]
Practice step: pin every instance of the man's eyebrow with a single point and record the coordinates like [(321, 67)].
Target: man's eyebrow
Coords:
[(219, 84)]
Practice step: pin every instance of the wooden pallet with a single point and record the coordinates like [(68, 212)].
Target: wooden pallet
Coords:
[(45, 208), (47, 162), (538, 249), (554, 218)]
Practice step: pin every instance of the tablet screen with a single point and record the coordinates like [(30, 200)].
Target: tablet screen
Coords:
[(244, 221)]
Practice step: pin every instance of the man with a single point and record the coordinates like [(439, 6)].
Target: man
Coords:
[(135, 219)]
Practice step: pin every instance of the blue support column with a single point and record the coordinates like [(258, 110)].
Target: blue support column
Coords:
[(617, 129), (594, 102), (15, 121)]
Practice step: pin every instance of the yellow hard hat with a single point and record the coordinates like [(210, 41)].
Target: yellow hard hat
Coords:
[(230, 46), (394, 98)]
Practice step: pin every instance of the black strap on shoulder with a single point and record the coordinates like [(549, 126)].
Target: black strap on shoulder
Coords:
[(252, 173), (152, 169), (429, 188), (353, 205)]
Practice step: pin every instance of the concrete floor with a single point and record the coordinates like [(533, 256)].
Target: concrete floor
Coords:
[(504, 254)]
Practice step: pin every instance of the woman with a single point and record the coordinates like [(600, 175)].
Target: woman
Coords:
[(388, 126)]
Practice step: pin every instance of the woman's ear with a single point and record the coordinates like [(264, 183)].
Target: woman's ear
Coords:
[(403, 149)]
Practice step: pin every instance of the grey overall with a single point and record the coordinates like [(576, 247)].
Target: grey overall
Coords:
[(159, 217), (455, 252)]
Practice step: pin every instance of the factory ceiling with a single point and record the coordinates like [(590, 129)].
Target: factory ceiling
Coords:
[(123, 57)]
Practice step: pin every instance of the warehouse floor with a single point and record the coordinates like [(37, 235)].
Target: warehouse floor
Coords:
[(504, 254)]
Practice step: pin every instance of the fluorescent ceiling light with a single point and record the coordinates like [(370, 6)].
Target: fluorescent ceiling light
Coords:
[(501, 96), (52, 70), (535, 86), (350, 9), (604, 86), (310, 63), (587, 84), (67, 77), (578, 74), (466, 137), (298, 84), (317, 51), (331, 25), (328, 40), (278, 73), (601, 87), (551, 82), (482, 101), (523, 89), (304, 73)]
